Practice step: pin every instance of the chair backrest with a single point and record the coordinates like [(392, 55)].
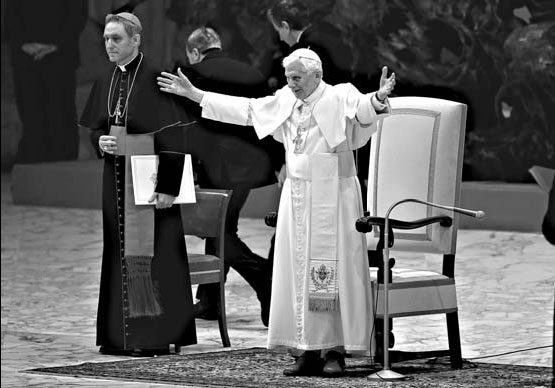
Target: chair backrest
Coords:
[(206, 217), (417, 152)]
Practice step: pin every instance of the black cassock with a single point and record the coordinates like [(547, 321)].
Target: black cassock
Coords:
[(145, 296)]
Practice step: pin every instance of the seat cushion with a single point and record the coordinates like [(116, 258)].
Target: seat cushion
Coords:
[(416, 292), (199, 262)]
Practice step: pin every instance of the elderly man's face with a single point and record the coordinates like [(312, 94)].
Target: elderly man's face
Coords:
[(301, 82), (120, 47)]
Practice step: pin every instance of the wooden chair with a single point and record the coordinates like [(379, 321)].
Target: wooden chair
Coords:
[(416, 153), (207, 218)]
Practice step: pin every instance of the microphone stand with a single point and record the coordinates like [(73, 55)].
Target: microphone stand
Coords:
[(386, 373)]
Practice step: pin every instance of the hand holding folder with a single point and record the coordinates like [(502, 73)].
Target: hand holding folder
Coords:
[(144, 169)]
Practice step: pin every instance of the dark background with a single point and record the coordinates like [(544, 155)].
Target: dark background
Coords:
[(496, 56)]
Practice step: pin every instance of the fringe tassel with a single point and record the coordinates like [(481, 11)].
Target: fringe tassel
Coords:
[(143, 299), (316, 303)]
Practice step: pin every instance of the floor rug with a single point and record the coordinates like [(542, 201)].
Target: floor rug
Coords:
[(256, 368)]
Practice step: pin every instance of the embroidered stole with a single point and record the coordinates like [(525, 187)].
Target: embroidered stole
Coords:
[(142, 296), (323, 282)]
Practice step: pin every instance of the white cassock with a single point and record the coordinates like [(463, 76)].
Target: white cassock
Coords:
[(321, 294)]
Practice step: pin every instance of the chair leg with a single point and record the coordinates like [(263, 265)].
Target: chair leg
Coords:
[(454, 339), (222, 320)]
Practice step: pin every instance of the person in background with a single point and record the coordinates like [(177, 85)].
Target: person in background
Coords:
[(321, 305), (44, 41), (548, 223), (548, 230), (296, 27), (229, 158), (145, 302)]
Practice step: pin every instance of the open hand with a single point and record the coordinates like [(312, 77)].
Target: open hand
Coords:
[(176, 84), (386, 84), (38, 50)]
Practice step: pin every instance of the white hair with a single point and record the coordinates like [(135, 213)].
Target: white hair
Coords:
[(308, 58)]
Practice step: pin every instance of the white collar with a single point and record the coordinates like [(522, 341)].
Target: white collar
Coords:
[(122, 67), (315, 95)]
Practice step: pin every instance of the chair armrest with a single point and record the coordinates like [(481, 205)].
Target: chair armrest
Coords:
[(364, 224)]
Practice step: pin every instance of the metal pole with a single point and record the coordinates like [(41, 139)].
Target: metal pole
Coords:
[(386, 373)]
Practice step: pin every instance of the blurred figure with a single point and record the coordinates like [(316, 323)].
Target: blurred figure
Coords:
[(548, 230), (548, 224), (145, 302), (229, 157), (296, 27), (44, 41)]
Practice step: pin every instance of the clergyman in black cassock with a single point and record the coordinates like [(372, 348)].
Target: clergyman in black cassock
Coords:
[(145, 302)]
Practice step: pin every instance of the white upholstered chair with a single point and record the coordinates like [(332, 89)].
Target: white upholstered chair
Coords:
[(417, 153)]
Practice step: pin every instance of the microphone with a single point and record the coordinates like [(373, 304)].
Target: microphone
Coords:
[(478, 214)]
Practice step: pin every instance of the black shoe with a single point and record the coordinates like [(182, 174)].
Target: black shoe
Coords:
[(164, 351), (308, 363), (107, 350), (205, 311), (334, 365)]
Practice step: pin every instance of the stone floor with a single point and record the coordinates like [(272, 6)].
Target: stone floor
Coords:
[(50, 273)]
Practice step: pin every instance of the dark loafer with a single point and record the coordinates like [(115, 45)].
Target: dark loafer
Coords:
[(308, 363), (164, 351), (107, 350), (334, 365), (150, 352)]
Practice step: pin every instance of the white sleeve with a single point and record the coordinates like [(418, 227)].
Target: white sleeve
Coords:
[(227, 109), (369, 108), (377, 104)]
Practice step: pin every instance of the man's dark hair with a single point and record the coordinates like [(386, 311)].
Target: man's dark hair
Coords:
[(295, 12), (203, 39)]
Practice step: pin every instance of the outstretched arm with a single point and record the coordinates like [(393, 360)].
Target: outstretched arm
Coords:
[(377, 103), (179, 84), (215, 106)]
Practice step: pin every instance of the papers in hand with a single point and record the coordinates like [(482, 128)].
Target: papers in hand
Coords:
[(144, 169)]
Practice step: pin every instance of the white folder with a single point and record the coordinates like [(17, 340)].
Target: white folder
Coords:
[(144, 169)]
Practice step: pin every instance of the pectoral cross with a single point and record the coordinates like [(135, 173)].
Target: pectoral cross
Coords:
[(298, 140), (118, 111), (302, 129)]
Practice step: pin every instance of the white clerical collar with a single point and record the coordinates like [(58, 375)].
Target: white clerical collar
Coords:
[(316, 94), (122, 67)]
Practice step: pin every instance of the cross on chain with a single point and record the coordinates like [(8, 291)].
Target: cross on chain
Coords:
[(121, 98)]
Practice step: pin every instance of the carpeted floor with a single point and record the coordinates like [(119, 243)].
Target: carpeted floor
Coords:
[(255, 368)]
